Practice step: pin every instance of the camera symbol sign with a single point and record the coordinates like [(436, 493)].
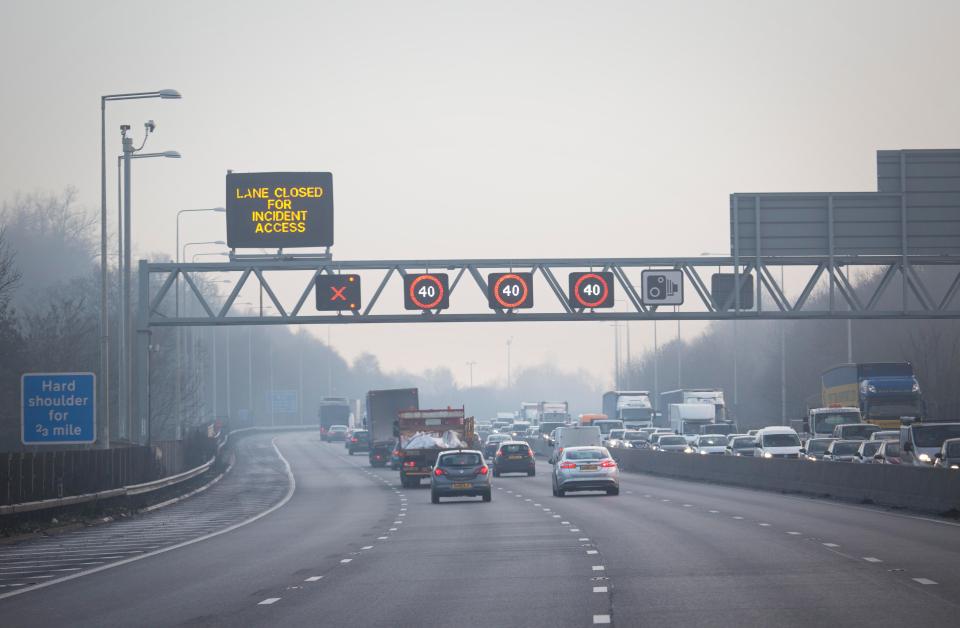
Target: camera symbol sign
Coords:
[(662, 287)]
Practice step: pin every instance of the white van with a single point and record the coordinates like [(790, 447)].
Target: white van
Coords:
[(575, 436), (777, 442)]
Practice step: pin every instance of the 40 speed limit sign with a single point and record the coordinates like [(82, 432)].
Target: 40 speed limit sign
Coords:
[(591, 290), (509, 291), (427, 291)]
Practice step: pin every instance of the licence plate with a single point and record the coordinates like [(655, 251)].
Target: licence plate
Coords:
[(515, 457), (462, 485), (588, 467)]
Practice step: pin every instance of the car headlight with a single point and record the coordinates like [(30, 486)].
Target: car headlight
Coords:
[(703, 453), (811, 459), (767, 454), (924, 458), (688, 450), (916, 387), (953, 466)]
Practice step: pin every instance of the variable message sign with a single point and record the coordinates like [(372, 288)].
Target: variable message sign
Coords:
[(428, 291), (591, 290), (508, 291), (336, 293), (276, 210), (58, 408)]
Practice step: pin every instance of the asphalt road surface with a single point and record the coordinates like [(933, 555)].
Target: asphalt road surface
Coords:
[(351, 548)]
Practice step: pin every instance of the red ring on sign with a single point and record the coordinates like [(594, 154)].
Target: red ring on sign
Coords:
[(576, 290), (512, 304), (418, 302)]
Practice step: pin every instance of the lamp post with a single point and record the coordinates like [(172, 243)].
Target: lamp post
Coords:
[(104, 392), (471, 364), (126, 354)]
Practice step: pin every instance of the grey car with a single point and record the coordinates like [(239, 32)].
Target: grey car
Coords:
[(460, 473), (585, 469), (842, 450), (672, 442), (949, 456)]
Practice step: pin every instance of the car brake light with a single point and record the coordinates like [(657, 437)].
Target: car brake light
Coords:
[(353, 440), (439, 471), (483, 470), (568, 465), (499, 453), (410, 463), (608, 463)]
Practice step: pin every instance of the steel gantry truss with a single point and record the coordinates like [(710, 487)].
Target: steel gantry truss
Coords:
[(771, 302)]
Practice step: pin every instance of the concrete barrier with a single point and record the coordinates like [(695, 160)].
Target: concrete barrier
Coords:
[(915, 488)]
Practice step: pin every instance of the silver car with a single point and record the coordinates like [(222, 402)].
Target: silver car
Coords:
[(460, 473), (585, 469)]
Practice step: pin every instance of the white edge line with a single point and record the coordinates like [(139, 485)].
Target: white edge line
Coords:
[(201, 489), (163, 550)]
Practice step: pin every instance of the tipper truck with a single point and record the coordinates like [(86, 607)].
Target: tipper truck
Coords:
[(333, 411), (709, 396), (633, 407), (424, 434), (383, 406)]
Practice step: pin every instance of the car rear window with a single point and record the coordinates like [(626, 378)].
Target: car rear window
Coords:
[(514, 449), (586, 454), (892, 450), (460, 460)]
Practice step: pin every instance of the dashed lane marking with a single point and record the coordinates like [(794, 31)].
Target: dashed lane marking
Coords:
[(793, 533), (738, 517), (923, 580), (344, 561), (688, 505), (599, 589), (574, 529), (601, 619), (765, 525), (598, 568), (382, 538), (268, 601), (367, 547), (830, 545), (871, 559), (313, 578), (583, 538), (714, 512), (592, 552)]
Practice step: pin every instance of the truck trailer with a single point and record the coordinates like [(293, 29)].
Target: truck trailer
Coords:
[(885, 392), (424, 434), (383, 406), (333, 411)]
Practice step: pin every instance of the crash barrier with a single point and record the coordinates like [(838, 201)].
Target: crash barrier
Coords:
[(915, 488), (131, 465), (44, 475)]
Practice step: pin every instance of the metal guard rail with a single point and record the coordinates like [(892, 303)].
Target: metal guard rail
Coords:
[(136, 489)]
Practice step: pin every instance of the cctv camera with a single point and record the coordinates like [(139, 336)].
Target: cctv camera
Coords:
[(150, 125), (124, 128)]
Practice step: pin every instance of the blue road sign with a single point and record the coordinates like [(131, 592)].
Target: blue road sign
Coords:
[(58, 408)]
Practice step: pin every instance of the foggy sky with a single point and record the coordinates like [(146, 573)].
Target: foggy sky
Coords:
[(495, 129)]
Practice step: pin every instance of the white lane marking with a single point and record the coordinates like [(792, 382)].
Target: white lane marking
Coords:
[(527, 499), (871, 559), (564, 523), (583, 538), (601, 619), (664, 500), (555, 516), (592, 552), (397, 522), (688, 505), (737, 517), (367, 547), (598, 568), (599, 589), (393, 529), (629, 492), (536, 504), (402, 514), (648, 495), (382, 538), (345, 561), (830, 545), (923, 580), (519, 495), (313, 578), (793, 533), (574, 529), (292, 487), (268, 601), (765, 525), (714, 512), (546, 510)]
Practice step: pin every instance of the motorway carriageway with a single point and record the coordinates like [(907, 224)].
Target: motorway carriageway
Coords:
[(350, 547)]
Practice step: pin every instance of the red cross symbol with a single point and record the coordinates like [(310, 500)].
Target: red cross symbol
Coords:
[(338, 293)]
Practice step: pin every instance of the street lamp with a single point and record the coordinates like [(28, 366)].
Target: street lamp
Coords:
[(126, 336), (104, 327), (471, 364)]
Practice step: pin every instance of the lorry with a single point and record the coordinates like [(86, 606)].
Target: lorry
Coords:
[(633, 407), (333, 411), (383, 406), (424, 434), (884, 392), (821, 421), (686, 419), (552, 411), (528, 411), (708, 396)]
